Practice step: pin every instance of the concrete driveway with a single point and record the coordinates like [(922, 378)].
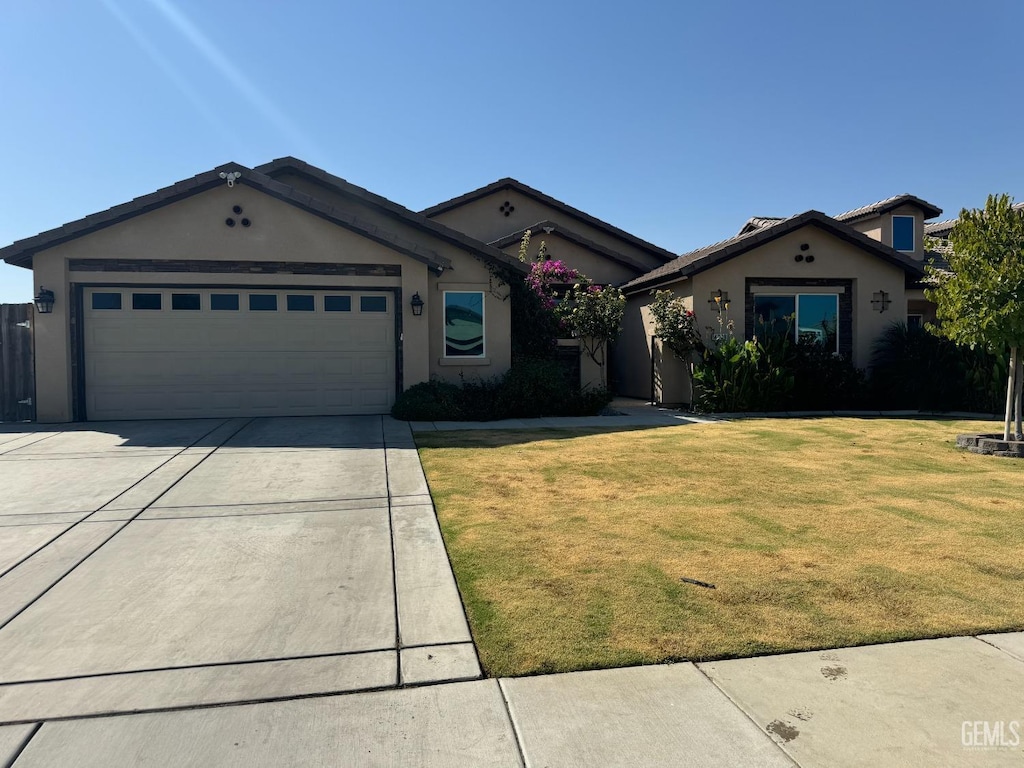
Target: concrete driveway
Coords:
[(164, 565)]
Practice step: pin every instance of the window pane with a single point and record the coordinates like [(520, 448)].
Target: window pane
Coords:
[(300, 304), (373, 303), (773, 315), (185, 301), (145, 301), (223, 301), (464, 324), (818, 319), (903, 233), (337, 303), (915, 322), (262, 302), (106, 301)]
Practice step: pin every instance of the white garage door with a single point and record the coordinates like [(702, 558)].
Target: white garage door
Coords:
[(154, 352)]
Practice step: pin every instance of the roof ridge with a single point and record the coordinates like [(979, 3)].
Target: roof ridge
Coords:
[(529, 191), (680, 269), (345, 186)]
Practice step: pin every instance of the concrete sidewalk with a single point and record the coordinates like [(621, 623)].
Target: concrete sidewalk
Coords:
[(948, 702)]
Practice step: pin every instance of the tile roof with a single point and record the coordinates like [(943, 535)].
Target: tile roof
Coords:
[(345, 188), (704, 258), (509, 183), (550, 227), (20, 253), (943, 228), (755, 223), (875, 209)]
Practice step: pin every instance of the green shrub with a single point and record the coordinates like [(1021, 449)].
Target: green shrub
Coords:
[(774, 373), (531, 388), (911, 368), (434, 400)]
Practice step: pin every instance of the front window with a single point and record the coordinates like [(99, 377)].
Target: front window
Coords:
[(809, 317), (463, 324), (903, 233)]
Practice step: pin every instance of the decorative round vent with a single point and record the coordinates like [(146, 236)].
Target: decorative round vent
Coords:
[(506, 208)]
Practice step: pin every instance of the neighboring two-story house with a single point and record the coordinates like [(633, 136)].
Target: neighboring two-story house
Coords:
[(842, 279)]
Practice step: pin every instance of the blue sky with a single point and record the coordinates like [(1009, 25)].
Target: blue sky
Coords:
[(675, 121)]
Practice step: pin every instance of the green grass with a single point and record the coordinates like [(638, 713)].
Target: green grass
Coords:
[(569, 546)]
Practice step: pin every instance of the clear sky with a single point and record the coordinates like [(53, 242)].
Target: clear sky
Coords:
[(673, 120)]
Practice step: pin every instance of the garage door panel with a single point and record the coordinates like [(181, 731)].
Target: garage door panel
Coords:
[(168, 364)]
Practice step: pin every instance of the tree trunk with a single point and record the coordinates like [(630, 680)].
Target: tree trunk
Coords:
[(1010, 391), (1019, 397)]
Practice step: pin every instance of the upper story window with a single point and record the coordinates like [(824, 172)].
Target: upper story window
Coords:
[(903, 233)]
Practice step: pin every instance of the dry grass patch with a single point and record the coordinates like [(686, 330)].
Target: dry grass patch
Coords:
[(569, 546)]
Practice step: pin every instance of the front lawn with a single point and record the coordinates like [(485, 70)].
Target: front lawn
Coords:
[(569, 546)]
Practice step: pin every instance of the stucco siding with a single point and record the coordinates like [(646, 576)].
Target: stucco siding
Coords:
[(597, 267), (485, 220), (194, 229), (834, 259)]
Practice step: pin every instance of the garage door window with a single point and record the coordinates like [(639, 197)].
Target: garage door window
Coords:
[(463, 324), (261, 302), (186, 301), (300, 303), (146, 301), (373, 304), (337, 303), (106, 301), (223, 301)]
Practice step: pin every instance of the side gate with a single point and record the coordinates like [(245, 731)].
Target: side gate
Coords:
[(17, 363)]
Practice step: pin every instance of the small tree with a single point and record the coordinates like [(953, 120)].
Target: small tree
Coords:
[(980, 301), (576, 306), (675, 324), (594, 316)]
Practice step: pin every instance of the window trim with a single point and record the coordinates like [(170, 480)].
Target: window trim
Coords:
[(913, 232), (483, 326), (796, 309), (158, 293), (118, 308), (363, 296), (327, 296), (263, 294)]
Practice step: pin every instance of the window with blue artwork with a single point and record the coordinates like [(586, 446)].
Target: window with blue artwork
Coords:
[(463, 324), (903, 233)]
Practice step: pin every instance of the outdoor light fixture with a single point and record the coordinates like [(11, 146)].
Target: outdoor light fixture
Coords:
[(880, 301), (44, 301), (720, 298), (417, 304)]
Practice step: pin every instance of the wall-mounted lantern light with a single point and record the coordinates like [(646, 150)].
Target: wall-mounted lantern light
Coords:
[(880, 301), (44, 301), (417, 304), (719, 297)]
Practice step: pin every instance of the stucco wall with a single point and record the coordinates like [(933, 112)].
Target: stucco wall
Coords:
[(834, 259), (484, 220), (597, 267), (633, 375), (880, 228), (194, 229)]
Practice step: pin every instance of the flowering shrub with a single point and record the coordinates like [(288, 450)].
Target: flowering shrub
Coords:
[(675, 324), (546, 277)]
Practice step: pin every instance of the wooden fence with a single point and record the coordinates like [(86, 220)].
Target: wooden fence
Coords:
[(17, 366)]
